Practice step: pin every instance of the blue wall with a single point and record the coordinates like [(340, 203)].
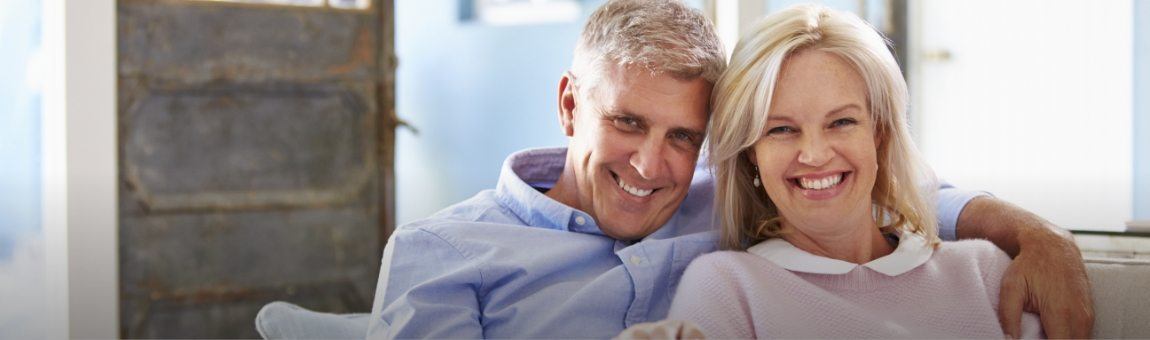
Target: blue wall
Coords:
[(19, 124), (476, 93), (1142, 110)]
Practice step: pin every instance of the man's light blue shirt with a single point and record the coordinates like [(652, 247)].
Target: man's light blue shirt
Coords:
[(514, 263)]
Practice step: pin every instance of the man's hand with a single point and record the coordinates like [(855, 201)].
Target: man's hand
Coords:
[(1047, 276)]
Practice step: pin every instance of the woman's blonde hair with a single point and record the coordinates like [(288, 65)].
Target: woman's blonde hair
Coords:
[(742, 96)]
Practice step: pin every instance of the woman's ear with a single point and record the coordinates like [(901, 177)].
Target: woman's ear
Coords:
[(567, 103)]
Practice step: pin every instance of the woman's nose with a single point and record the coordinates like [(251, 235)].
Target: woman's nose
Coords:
[(815, 151)]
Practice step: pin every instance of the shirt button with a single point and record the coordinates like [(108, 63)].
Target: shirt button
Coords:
[(636, 260), (580, 220)]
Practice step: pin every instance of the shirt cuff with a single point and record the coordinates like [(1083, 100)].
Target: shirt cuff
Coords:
[(951, 201)]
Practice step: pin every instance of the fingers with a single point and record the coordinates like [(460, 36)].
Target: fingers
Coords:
[(666, 329), (1011, 299), (1051, 279), (1055, 323), (1069, 317), (1085, 322)]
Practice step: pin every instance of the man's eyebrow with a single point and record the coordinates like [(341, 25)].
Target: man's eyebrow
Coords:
[(616, 112)]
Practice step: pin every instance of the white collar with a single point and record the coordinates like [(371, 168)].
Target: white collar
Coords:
[(912, 252)]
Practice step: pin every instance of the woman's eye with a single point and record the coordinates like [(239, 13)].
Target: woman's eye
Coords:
[(844, 122), (780, 130)]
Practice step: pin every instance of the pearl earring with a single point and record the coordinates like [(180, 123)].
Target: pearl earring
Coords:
[(757, 182)]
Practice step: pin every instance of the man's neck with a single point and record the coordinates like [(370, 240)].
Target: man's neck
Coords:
[(566, 189)]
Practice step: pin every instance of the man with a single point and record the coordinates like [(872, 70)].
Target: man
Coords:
[(588, 240)]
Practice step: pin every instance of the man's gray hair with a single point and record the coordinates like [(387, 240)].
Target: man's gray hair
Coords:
[(664, 36)]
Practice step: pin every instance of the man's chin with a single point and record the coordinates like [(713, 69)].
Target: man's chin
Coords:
[(627, 234)]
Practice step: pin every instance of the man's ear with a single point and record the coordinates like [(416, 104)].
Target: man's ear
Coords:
[(567, 104)]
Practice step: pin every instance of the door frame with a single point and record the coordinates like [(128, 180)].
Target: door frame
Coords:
[(79, 169)]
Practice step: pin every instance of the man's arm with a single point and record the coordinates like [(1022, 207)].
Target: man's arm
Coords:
[(426, 289), (1047, 275)]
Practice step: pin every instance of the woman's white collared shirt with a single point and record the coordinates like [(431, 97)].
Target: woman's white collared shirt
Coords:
[(912, 251)]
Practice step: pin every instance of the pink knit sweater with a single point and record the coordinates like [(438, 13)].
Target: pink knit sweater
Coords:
[(953, 294)]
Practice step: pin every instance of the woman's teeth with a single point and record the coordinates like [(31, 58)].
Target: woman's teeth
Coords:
[(821, 183), (633, 190)]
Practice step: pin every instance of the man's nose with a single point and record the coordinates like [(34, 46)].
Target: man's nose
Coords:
[(815, 151), (648, 159)]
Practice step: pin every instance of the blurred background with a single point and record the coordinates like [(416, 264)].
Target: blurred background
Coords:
[(169, 166)]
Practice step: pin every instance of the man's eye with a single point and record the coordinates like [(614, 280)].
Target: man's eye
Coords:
[(627, 124), (844, 122), (683, 136)]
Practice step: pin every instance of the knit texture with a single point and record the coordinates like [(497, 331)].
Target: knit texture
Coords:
[(954, 294)]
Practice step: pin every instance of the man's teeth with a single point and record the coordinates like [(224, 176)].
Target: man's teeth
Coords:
[(633, 190), (821, 183)]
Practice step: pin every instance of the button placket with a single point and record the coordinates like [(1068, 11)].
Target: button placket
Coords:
[(643, 278)]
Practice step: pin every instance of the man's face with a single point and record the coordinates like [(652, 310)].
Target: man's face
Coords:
[(635, 138)]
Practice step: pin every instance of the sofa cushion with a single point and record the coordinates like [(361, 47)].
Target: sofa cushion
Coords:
[(1121, 291)]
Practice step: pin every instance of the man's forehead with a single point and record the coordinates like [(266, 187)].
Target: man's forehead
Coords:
[(657, 98)]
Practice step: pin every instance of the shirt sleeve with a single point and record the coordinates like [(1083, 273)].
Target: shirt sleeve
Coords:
[(427, 289), (951, 201)]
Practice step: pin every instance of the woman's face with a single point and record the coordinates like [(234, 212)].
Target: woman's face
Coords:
[(817, 156)]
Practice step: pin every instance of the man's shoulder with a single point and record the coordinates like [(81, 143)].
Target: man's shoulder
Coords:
[(483, 208)]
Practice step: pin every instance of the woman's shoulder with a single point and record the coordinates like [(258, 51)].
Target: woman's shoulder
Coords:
[(724, 259), (728, 263), (980, 254), (978, 249)]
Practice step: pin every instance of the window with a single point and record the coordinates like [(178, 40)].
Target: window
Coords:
[(1033, 101), (22, 251), (1012, 99)]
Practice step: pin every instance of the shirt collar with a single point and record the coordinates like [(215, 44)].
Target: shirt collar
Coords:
[(526, 170), (912, 251)]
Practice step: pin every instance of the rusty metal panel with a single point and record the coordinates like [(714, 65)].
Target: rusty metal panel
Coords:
[(197, 42), (195, 273), (248, 147), (255, 150)]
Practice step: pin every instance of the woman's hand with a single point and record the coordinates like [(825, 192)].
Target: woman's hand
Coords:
[(666, 329)]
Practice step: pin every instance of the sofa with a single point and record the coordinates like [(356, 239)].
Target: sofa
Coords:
[(1121, 289)]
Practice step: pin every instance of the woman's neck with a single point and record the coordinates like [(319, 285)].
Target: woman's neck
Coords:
[(857, 241)]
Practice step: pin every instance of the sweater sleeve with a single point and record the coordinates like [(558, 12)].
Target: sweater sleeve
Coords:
[(712, 296)]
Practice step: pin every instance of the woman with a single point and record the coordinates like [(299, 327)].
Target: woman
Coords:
[(815, 175)]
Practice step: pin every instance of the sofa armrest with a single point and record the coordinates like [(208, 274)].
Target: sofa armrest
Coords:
[(282, 320)]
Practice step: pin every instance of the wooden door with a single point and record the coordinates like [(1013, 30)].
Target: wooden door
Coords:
[(255, 149)]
